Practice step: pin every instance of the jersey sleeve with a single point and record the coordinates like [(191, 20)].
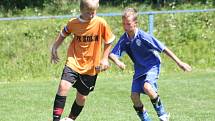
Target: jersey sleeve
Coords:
[(67, 29), (107, 34), (119, 49), (154, 43)]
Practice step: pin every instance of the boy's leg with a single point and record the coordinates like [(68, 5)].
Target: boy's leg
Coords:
[(156, 101), (139, 108), (77, 106), (84, 85), (150, 88), (159, 108), (60, 99), (59, 104), (68, 78)]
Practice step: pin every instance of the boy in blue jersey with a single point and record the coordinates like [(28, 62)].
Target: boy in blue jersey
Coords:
[(142, 48)]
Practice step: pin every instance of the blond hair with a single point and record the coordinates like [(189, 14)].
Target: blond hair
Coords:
[(130, 12), (89, 4)]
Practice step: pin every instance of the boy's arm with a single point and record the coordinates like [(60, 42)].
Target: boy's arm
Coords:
[(57, 43), (104, 64), (181, 64), (116, 60)]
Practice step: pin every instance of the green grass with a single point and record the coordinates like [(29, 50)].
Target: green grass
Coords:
[(187, 96)]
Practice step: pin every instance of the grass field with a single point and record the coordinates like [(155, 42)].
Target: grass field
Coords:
[(28, 82), (187, 96)]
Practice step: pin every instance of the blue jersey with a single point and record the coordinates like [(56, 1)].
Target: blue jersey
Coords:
[(142, 50)]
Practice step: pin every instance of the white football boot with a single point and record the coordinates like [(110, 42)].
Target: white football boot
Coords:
[(66, 119), (165, 117)]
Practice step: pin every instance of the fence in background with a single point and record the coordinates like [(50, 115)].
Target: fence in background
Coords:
[(150, 14)]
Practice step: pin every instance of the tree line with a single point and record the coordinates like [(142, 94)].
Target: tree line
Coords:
[(22, 4)]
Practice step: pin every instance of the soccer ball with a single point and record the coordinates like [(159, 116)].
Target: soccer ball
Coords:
[(66, 119)]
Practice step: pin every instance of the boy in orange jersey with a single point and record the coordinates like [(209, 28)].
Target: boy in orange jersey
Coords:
[(84, 59)]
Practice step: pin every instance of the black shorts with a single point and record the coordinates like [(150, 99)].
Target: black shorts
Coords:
[(83, 83)]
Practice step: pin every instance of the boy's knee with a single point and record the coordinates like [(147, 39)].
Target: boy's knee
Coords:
[(80, 99), (148, 89), (63, 88)]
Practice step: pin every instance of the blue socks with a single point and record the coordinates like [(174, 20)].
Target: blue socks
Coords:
[(143, 115), (158, 106)]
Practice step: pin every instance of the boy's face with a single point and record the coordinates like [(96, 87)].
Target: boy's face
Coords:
[(88, 14), (129, 24)]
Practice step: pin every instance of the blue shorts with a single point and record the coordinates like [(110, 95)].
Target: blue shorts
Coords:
[(151, 77)]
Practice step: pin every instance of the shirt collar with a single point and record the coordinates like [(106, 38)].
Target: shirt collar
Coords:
[(82, 20), (135, 34)]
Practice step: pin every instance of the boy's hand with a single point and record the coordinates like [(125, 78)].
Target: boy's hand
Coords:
[(104, 65), (184, 66), (54, 56)]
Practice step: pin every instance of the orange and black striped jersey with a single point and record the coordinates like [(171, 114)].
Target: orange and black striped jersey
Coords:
[(85, 50)]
